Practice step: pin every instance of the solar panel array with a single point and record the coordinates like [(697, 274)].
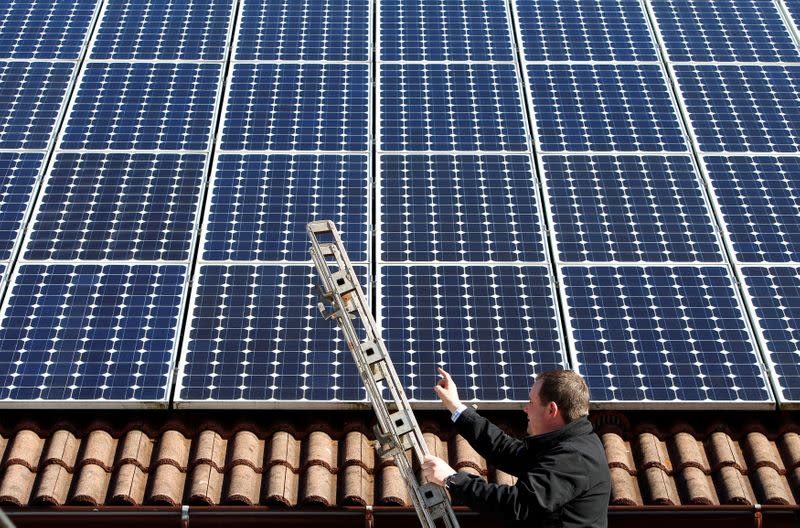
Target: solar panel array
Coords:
[(523, 185)]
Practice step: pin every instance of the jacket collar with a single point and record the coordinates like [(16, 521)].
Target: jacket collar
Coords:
[(581, 426)]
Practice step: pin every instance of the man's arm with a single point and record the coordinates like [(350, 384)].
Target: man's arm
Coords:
[(488, 440)]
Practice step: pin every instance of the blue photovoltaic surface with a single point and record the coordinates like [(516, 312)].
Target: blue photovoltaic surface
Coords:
[(118, 207), (439, 30), (759, 198), (584, 30), (774, 293), (492, 328), (18, 174), (661, 334), (793, 7), (604, 108), (260, 205), (90, 332), (31, 94), (255, 333), (143, 106), (304, 30), (724, 30), (166, 29), (451, 107), (297, 107), (629, 209), (459, 208), (743, 108), (44, 29)]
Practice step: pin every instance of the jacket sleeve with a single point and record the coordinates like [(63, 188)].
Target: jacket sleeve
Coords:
[(498, 448), (545, 489)]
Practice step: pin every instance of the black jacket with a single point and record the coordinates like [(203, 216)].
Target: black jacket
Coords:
[(563, 476)]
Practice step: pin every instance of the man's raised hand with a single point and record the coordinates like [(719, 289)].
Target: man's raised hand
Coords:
[(446, 391)]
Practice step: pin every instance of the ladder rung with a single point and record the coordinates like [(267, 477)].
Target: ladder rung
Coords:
[(320, 226)]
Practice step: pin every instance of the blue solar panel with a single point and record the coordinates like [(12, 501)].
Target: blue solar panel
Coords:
[(167, 29), (662, 334), (297, 107), (260, 205), (31, 94), (118, 207), (90, 332), (254, 333), (584, 30), (774, 294), (44, 29), (743, 108), (724, 30), (793, 8), (451, 107), (459, 208), (143, 106), (760, 203), (492, 328), (604, 108), (439, 30), (304, 30), (629, 209), (18, 175)]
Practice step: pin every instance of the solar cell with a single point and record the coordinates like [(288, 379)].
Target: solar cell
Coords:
[(44, 29), (743, 108), (459, 208), (629, 209), (793, 8), (297, 107), (724, 30), (18, 176), (662, 335), (492, 327), (604, 107), (584, 30), (31, 95), (254, 334), (90, 332), (304, 30), (163, 106), (167, 29), (260, 205), (441, 30), (118, 207), (774, 295), (451, 107), (759, 198)]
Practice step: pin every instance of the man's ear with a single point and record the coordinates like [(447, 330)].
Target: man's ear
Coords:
[(552, 409)]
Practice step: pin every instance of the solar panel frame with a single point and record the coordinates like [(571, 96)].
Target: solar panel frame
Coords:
[(505, 123), (700, 194), (70, 111), (790, 9), (670, 98), (131, 403), (458, 59), (237, 38), (760, 332), (457, 161), (647, 404), (97, 36), (313, 318), (55, 56), (433, 402), (131, 158), (205, 232)]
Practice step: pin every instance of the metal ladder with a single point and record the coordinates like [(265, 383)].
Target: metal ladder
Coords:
[(397, 430)]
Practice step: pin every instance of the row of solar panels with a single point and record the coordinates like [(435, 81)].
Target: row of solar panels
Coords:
[(410, 30), (109, 332)]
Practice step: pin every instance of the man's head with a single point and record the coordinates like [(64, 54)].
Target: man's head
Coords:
[(557, 398)]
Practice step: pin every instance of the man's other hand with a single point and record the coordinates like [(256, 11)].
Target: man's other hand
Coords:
[(446, 391), (436, 470)]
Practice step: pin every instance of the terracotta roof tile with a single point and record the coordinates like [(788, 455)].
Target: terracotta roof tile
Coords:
[(624, 488)]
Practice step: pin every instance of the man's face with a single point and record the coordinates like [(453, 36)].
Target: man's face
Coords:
[(539, 420)]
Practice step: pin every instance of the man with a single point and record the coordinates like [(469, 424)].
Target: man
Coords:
[(562, 472)]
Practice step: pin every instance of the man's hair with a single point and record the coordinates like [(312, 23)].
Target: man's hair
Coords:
[(568, 390)]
